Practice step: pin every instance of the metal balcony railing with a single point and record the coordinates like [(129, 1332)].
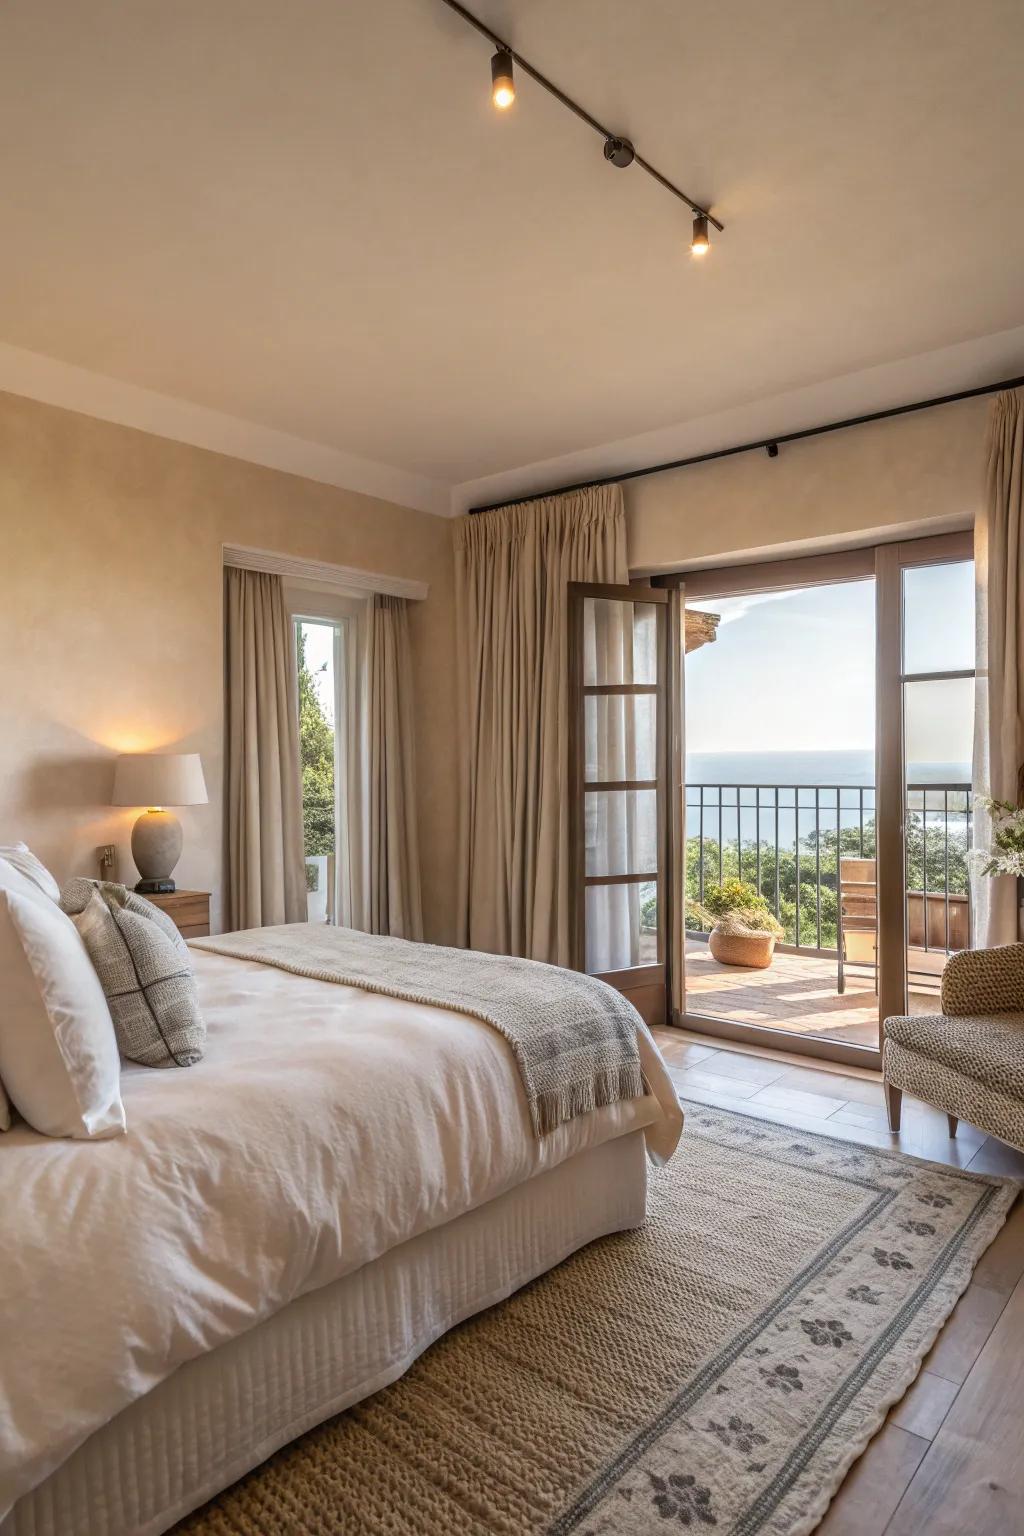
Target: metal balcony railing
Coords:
[(786, 841)]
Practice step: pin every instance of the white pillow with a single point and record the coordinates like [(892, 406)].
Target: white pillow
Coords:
[(9, 877), (58, 1054), (26, 863)]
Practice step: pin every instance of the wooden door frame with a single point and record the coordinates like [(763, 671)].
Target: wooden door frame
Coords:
[(646, 986), (885, 564), (768, 575)]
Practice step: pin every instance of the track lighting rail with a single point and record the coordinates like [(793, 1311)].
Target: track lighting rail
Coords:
[(573, 106)]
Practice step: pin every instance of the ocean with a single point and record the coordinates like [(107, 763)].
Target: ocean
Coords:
[(846, 768)]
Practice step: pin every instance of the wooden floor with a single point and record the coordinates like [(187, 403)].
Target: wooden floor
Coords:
[(799, 993), (949, 1460)]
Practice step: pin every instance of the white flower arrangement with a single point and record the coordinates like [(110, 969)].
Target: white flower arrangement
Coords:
[(1006, 856)]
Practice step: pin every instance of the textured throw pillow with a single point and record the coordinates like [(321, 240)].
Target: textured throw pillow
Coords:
[(58, 1055), (145, 968), (26, 863)]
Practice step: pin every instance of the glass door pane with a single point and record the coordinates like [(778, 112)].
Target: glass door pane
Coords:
[(937, 685), (938, 618), (618, 652), (622, 832), (620, 642), (622, 927), (621, 736), (316, 644), (780, 812)]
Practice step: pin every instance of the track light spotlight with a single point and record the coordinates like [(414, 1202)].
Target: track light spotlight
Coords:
[(701, 241), (503, 85), (619, 152)]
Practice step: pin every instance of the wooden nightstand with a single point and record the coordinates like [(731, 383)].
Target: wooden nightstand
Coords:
[(189, 910)]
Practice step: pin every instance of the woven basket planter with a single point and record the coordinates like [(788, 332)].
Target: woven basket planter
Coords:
[(751, 949)]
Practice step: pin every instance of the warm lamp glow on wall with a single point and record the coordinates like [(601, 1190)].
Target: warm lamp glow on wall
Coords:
[(157, 780)]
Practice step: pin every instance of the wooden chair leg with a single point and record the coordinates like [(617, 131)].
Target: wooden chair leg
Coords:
[(893, 1106), (952, 1122)]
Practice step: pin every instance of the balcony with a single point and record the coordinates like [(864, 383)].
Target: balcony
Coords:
[(787, 841)]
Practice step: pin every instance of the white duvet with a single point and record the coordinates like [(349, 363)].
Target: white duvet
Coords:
[(324, 1126)]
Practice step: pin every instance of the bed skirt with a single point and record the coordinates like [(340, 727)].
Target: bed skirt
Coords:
[(224, 1413)]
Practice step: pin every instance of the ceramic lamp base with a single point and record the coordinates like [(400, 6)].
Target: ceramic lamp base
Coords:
[(156, 848)]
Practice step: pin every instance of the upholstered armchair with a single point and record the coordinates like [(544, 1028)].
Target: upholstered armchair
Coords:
[(969, 1059)]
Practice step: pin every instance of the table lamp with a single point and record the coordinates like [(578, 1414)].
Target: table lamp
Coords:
[(157, 780)]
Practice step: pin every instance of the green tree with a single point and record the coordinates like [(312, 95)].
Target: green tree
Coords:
[(316, 754), (940, 851)]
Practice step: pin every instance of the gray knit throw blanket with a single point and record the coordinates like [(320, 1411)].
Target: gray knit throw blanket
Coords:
[(574, 1038)]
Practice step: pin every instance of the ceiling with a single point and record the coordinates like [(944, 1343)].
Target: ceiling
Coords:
[(309, 217)]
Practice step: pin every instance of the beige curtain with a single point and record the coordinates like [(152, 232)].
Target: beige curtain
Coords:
[(394, 867), (512, 568), (265, 876), (999, 698)]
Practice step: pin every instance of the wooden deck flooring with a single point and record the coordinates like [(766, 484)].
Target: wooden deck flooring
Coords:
[(950, 1457), (798, 993)]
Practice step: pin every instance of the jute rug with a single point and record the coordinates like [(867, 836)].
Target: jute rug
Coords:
[(719, 1369)]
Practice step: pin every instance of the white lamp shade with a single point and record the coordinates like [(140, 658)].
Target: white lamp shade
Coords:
[(158, 779)]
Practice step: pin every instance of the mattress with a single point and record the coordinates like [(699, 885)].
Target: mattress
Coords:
[(223, 1413), (324, 1126)]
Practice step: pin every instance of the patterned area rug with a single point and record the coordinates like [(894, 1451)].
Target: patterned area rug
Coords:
[(719, 1369)]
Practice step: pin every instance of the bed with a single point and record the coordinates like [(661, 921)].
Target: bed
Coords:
[(284, 1228)]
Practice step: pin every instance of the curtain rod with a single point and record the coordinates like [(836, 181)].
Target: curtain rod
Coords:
[(770, 444)]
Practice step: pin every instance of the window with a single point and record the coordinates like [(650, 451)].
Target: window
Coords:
[(330, 638), (318, 645)]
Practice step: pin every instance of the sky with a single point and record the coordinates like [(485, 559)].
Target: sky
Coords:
[(795, 671), (320, 649)]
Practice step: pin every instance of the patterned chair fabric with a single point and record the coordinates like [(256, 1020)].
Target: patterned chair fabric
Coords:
[(989, 1048), (968, 1060), (984, 981)]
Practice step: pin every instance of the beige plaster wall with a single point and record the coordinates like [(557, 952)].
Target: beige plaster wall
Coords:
[(110, 627), (110, 623), (919, 473)]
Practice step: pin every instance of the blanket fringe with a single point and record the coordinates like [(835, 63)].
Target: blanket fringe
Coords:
[(554, 1106)]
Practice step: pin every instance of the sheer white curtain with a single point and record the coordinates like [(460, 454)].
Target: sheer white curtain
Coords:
[(619, 647), (999, 696)]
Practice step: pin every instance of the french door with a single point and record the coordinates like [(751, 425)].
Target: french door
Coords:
[(619, 769), (634, 824), (926, 677), (781, 669)]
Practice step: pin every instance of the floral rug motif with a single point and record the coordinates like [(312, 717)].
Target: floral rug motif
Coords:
[(718, 1370)]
